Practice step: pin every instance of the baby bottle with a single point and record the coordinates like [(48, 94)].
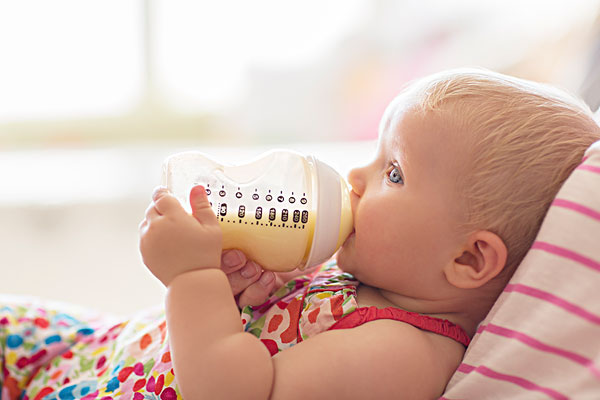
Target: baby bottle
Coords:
[(284, 210)]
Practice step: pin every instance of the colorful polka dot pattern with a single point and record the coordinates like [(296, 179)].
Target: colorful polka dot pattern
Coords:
[(56, 351), (53, 355), (302, 308)]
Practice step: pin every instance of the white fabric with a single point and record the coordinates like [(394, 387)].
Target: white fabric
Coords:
[(542, 337)]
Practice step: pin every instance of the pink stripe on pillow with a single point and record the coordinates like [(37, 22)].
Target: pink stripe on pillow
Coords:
[(536, 344), (524, 383), (550, 298), (591, 168), (540, 340), (566, 253), (571, 205)]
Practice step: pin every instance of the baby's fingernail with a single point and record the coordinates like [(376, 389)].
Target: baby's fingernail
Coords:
[(267, 278), (232, 259), (249, 270)]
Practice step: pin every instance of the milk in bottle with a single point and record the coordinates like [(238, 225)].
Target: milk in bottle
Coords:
[(283, 210)]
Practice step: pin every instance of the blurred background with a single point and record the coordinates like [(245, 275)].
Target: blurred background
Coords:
[(95, 94)]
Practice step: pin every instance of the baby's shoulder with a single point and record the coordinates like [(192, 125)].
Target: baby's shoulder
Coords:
[(403, 338), (382, 359), (427, 360)]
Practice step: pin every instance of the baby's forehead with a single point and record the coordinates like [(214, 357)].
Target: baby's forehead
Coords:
[(433, 141)]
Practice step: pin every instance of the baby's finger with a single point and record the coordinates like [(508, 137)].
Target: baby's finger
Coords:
[(151, 212), (165, 203), (142, 225), (232, 260), (201, 209), (242, 279), (159, 191), (257, 293)]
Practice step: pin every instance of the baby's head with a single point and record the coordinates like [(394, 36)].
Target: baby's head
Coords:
[(523, 139), (471, 160)]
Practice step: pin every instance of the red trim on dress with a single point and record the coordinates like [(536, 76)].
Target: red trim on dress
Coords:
[(436, 325)]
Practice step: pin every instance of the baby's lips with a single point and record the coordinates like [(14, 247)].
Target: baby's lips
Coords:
[(351, 235)]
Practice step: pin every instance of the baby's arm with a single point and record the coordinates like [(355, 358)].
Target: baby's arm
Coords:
[(214, 358)]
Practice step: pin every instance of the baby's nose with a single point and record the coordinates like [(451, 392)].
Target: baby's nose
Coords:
[(356, 180)]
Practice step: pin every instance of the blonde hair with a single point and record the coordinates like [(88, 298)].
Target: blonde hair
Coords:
[(525, 140)]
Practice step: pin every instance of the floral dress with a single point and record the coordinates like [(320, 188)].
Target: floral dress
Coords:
[(56, 351)]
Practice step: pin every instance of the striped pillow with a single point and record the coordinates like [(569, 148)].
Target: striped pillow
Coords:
[(542, 337)]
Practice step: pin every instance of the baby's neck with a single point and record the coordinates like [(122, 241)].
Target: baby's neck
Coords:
[(454, 311)]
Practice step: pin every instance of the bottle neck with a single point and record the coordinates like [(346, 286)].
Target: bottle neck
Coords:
[(346, 219)]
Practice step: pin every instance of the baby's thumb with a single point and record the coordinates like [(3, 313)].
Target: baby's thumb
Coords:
[(201, 209)]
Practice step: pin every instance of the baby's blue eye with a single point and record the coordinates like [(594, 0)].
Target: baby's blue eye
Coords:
[(395, 176)]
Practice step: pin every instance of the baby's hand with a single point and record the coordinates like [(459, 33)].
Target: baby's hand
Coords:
[(247, 279), (173, 242)]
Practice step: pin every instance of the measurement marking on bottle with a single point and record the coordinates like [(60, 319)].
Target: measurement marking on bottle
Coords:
[(304, 217)]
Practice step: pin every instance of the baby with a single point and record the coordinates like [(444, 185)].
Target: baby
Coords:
[(468, 162), (467, 165)]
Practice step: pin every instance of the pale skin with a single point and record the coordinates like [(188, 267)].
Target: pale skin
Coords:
[(406, 251)]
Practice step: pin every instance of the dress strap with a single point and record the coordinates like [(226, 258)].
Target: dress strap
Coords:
[(436, 325)]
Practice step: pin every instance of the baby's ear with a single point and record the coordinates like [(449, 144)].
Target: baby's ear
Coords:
[(483, 257)]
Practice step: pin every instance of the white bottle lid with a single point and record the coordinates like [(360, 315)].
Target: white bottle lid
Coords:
[(328, 222)]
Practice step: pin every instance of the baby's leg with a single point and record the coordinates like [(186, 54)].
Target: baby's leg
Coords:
[(31, 335)]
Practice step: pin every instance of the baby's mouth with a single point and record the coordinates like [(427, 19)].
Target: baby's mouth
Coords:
[(350, 236)]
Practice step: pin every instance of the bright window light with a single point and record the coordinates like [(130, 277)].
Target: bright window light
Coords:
[(69, 58), (204, 48)]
